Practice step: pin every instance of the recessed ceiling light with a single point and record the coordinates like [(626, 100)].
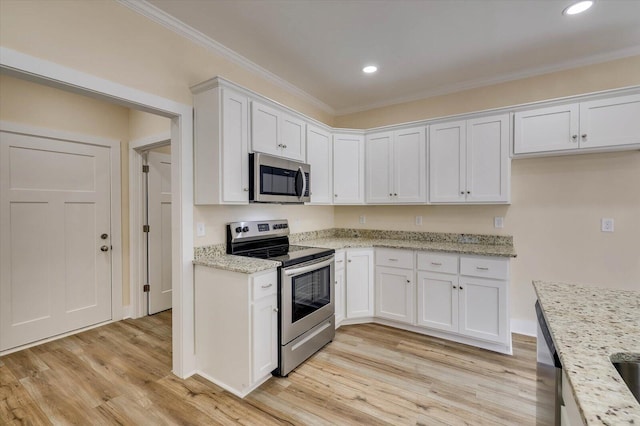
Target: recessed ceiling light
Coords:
[(578, 7), (369, 69)]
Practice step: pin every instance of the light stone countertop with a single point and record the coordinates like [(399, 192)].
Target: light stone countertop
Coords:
[(435, 246), (590, 327), (481, 245)]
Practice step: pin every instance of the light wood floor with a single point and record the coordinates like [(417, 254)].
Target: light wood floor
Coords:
[(369, 375)]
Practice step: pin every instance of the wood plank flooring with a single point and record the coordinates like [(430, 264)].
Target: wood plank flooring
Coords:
[(369, 375)]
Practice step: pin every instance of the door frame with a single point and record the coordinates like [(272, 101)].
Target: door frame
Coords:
[(137, 258), (51, 74), (115, 203)]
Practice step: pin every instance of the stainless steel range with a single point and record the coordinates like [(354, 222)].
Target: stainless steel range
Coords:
[(305, 287)]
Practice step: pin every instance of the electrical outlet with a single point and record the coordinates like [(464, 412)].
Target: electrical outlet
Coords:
[(363, 219), (419, 220), (200, 231), (498, 222), (606, 224)]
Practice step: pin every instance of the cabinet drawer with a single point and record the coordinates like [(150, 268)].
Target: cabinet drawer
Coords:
[(394, 258), (264, 285), (340, 259), (484, 267), (444, 263)]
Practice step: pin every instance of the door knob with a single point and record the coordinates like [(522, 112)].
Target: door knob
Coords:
[(104, 248), (104, 236)]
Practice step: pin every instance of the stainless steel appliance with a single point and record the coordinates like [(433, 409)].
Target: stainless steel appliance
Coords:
[(277, 180), (549, 372), (306, 300)]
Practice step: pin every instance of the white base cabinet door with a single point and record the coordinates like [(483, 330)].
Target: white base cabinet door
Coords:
[(264, 337), (438, 301), (483, 309), (340, 287), (360, 278), (395, 294)]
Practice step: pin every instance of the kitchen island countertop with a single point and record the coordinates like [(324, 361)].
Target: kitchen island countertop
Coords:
[(591, 327)]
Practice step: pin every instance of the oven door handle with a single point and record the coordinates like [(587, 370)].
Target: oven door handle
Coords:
[(315, 265)]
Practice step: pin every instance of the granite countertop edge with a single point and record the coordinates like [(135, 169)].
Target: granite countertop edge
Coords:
[(588, 334), (217, 258)]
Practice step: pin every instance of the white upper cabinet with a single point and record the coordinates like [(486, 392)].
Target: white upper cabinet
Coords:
[(221, 147), (396, 167), (610, 122), (595, 124), (275, 132), (469, 161), (348, 169), (320, 157)]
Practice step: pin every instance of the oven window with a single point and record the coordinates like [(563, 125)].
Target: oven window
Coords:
[(310, 292)]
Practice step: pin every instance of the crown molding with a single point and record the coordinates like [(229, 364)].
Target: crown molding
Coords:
[(504, 78), (161, 17)]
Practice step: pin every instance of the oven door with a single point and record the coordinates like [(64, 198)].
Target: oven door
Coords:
[(306, 296)]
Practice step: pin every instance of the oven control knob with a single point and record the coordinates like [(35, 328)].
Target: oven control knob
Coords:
[(245, 229), (238, 230), (285, 225), (276, 226)]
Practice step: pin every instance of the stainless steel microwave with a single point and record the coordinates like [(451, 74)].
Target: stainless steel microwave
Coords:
[(277, 180)]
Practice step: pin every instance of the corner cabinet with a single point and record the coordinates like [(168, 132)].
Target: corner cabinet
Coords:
[(396, 167), (242, 311), (276, 132), (348, 169), (320, 158), (469, 161), (221, 145), (589, 126), (359, 287)]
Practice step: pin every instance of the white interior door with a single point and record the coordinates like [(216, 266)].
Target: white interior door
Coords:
[(55, 250), (159, 236)]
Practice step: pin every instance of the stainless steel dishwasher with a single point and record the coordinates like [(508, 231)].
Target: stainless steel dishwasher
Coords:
[(549, 372)]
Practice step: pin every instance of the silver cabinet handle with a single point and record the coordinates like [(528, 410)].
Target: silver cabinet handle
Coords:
[(275, 309), (584, 136), (574, 137), (245, 189), (468, 192), (395, 195), (349, 260), (436, 263), (408, 281), (393, 260), (482, 268), (461, 192), (455, 288), (461, 288), (267, 286), (390, 195), (339, 261), (104, 236), (104, 248)]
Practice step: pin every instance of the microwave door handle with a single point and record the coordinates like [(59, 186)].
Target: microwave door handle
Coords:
[(304, 183)]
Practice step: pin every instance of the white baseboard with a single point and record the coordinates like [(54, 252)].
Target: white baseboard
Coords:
[(528, 328)]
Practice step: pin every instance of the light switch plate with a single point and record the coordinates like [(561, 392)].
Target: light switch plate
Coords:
[(606, 224), (363, 219), (200, 230), (418, 220), (498, 222)]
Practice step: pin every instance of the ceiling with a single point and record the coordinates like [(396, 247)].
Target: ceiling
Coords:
[(421, 47)]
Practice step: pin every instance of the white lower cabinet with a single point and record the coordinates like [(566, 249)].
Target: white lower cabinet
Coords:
[(438, 301), (339, 288), (465, 295), (236, 327), (359, 287), (395, 295), (264, 337)]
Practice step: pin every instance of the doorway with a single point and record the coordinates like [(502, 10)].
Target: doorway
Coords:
[(48, 73)]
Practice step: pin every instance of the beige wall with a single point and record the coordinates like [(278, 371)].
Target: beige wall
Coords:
[(143, 125)]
